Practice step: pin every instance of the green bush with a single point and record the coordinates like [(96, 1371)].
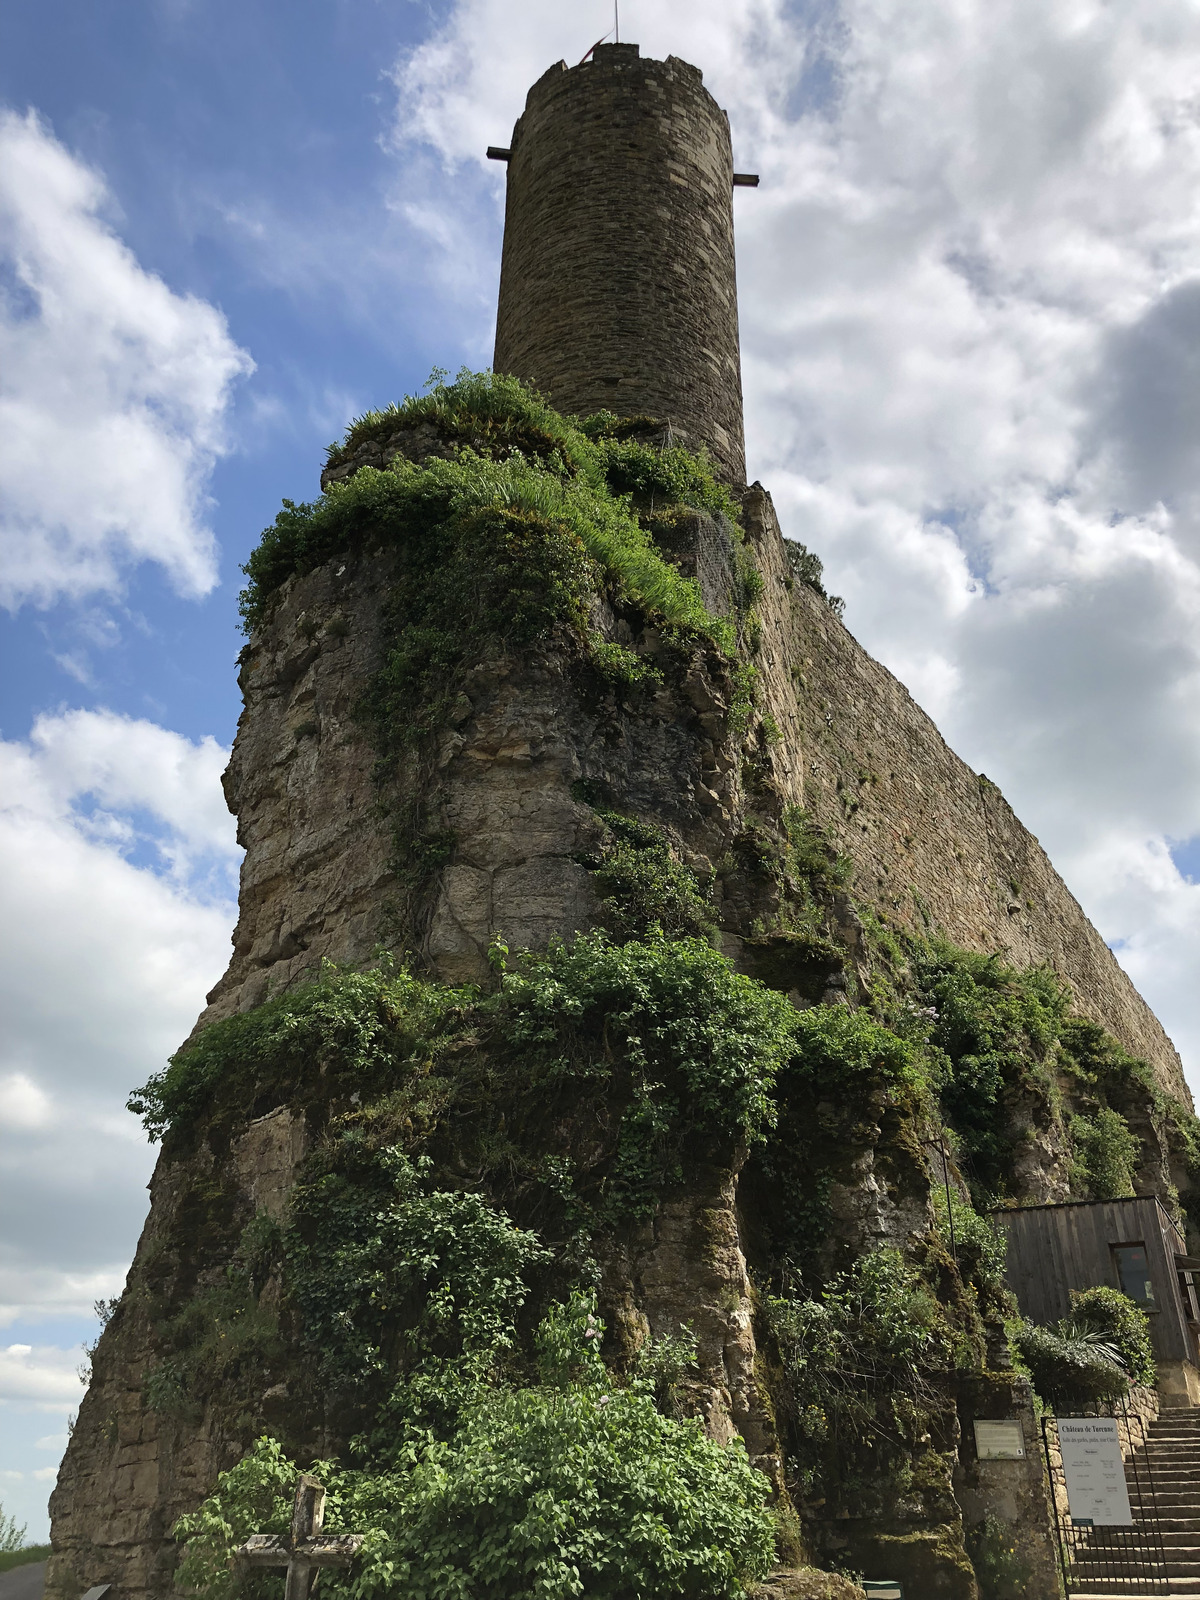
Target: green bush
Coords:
[(492, 413), (671, 476), (843, 1050), (1106, 1156), (690, 1047), (1002, 1573), (12, 1535), (531, 515), (350, 1031), (642, 888), (1093, 1354), (1068, 1366), (995, 1026), (567, 1488), (1114, 1316), (865, 1364), (392, 1283)]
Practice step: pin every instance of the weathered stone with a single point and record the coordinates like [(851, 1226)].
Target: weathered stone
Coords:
[(805, 1583)]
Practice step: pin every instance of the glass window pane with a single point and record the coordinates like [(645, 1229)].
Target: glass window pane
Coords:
[(1133, 1272)]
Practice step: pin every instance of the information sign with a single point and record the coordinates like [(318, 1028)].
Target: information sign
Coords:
[(1001, 1440), (1095, 1472)]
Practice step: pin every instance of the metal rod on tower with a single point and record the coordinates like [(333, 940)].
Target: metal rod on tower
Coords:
[(617, 20)]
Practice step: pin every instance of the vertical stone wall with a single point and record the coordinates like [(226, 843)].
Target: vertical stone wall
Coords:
[(617, 285)]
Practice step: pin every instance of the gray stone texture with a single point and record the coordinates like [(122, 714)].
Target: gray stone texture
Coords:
[(617, 287), (935, 845)]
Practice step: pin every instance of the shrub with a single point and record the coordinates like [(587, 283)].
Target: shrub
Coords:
[(1106, 1156), (568, 1487), (1109, 1313), (455, 511), (391, 1282), (870, 1339), (642, 887), (1092, 1355), (1070, 1366), (995, 1026), (1002, 1574), (12, 1535), (844, 1050), (667, 1032), (349, 1030)]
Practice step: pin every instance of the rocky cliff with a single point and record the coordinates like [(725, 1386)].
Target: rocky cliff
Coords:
[(489, 725)]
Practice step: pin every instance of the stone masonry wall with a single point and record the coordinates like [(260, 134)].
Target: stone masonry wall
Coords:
[(935, 845), (617, 286)]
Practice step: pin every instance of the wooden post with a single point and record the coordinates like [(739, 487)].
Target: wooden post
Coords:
[(306, 1549)]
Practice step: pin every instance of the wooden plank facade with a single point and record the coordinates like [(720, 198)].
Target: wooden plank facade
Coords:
[(1054, 1249)]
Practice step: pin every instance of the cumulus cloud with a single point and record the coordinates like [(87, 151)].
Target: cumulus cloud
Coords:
[(42, 1375), (113, 390), (970, 298), (116, 900)]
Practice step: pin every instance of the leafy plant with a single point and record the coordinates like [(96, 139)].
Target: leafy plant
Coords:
[(1090, 1356), (571, 1486), (1002, 1573), (388, 1279), (1115, 1317), (349, 1031), (469, 515), (12, 1536), (872, 1335), (996, 1026), (1106, 1156), (642, 887)]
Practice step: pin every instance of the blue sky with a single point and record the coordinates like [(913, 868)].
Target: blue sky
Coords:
[(227, 229)]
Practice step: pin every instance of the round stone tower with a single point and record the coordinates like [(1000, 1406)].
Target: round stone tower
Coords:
[(617, 286)]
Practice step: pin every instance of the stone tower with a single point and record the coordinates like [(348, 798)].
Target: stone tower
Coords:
[(617, 286)]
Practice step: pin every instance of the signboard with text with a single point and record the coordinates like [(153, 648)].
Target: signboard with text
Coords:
[(1095, 1471)]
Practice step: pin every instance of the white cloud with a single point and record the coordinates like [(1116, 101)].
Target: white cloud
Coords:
[(113, 390), (970, 295), (116, 856), (42, 1375)]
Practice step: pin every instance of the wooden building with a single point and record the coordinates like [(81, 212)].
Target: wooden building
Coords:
[(1131, 1245)]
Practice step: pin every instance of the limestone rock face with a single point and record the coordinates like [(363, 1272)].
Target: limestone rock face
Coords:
[(934, 845)]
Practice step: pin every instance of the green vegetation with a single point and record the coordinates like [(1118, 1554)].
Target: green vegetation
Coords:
[(1092, 1355), (223, 1338), (570, 1484), (994, 1030), (525, 487), (1106, 1156), (409, 1298), (668, 1046), (653, 475), (808, 569), (12, 1536), (23, 1556), (349, 1033), (1002, 1573), (864, 1360), (643, 889)]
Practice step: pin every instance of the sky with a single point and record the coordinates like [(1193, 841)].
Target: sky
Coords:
[(969, 289)]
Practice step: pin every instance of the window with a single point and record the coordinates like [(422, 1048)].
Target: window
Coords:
[(1133, 1272)]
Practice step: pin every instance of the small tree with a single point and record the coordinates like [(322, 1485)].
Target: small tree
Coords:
[(11, 1537)]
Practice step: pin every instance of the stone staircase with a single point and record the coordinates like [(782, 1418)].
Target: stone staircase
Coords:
[(1172, 1455)]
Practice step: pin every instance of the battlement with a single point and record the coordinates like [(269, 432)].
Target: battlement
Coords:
[(617, 284)]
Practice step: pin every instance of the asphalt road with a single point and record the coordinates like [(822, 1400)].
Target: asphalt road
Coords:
[(23, 1583)]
